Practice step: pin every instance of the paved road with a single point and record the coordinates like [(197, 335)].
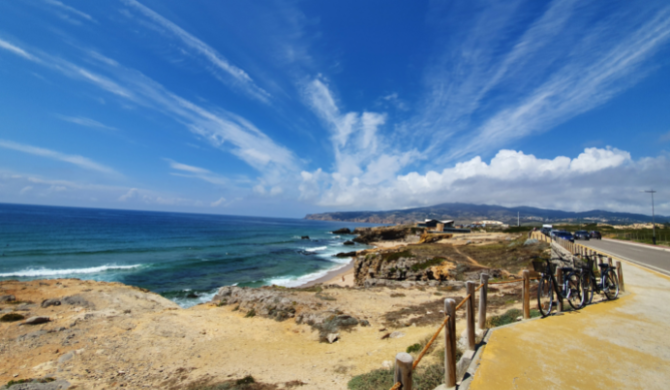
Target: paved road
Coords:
[(658, 260)]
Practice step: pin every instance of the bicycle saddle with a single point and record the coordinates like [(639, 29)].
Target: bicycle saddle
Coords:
[(603, 265)]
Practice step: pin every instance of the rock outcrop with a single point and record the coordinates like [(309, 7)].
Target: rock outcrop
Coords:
[(282, 304), (402, 265), (382, 233)]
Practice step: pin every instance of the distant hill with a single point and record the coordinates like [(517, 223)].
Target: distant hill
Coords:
[(465, 213)]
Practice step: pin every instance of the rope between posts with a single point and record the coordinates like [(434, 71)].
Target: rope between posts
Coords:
[(397, 385), (508, 281), (425, 349)]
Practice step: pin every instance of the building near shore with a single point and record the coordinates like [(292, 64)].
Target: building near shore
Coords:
[(435, 225)]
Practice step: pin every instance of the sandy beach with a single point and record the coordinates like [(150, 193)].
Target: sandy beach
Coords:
[(343, 277)]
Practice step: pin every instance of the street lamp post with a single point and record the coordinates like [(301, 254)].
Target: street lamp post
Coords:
[(653, 220)]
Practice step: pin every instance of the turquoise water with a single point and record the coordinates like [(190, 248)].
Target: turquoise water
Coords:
[(184, 257)]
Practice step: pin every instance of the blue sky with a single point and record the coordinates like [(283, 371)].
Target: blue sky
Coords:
[(284, 108)]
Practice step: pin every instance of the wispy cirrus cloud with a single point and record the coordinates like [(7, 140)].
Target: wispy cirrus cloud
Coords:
[(70, 10), (485, 93), (237, 76), (77, 160), (220, 128), (16, 50), (86, 122), (190, 171)]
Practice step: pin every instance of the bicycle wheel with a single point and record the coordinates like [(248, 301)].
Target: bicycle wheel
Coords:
[(545, 296), (574, 291), (611, 285), (588, 287)]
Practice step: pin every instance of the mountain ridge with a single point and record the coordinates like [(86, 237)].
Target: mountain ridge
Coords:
[(467, 212)]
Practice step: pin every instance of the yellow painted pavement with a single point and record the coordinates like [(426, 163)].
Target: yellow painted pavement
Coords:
[(608, 345)]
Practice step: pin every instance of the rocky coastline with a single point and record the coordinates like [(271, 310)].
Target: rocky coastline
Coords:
[(70, 333)]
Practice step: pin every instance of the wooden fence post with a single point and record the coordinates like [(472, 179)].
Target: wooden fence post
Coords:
[(619, 271), (559, 280), (609, 261), (470, 314), (483, 292), (403, 370), (526, 294), (450, 343)]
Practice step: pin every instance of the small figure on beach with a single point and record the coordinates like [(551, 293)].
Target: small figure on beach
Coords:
[(342, 276)]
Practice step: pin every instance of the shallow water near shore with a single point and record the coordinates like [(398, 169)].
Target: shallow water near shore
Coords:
[(184, 257)]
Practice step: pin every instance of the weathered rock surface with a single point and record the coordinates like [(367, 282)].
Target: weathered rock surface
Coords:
[(342, 231), (50, 302), (348, 243), (7, 298), (281, 304), (346, 254), (36, 320), (55, 385), (369, 283), (383, 233)]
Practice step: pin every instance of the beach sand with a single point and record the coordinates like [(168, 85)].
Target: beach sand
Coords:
[(139, 339), (343, 277)]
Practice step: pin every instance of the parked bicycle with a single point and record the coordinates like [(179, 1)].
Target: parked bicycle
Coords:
[(570, 288), (606, 283)]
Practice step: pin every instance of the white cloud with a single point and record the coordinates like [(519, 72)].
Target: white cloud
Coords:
[(362, 155), (86, 122), (132, 193), (197, 173), (186, 168), (240, 77), (219, 202), (484, 93), (79, 161), (595, 179), (69, 9), (25, 189), (17, 50), (221, 128)]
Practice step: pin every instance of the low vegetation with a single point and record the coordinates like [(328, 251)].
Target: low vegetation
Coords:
[(510, 316), (382, 379), (428, 263), (397, 255), (246, 383), (20, 381), (11, 317)]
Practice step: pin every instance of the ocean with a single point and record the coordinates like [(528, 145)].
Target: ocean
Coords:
[(184, 257)]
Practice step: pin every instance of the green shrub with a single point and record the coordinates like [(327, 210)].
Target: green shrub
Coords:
[(428, 263), (382, 379), (247, 380), (414, 348), (397, 255), (397, 295), (11, 317), (508, 317), (250, 313)]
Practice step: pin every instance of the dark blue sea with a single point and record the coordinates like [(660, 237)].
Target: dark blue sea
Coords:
[(184, 257)]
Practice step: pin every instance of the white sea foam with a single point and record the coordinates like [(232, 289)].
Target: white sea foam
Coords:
[(190, 302), (318, 248), (46, 272), (297, 281)]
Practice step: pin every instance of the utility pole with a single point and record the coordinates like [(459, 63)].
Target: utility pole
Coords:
[(653, 220)]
